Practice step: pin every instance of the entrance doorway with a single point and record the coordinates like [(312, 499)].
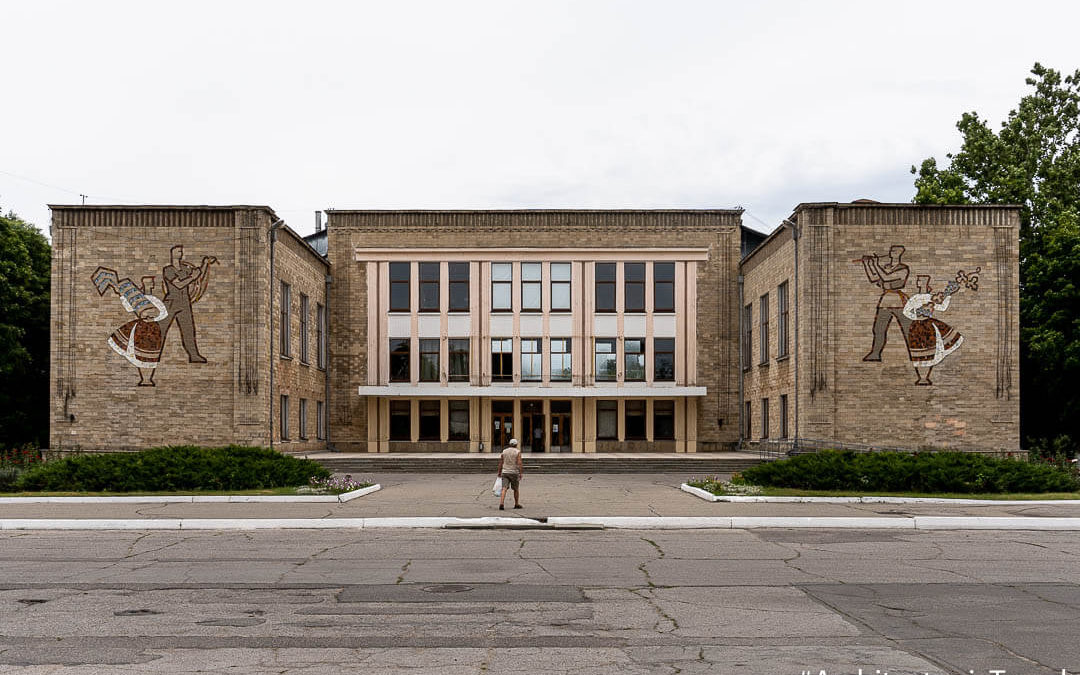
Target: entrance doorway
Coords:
[(532, 426), (502, 415), (560, 426)]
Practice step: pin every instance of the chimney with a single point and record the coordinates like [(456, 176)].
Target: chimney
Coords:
[(318, 221)]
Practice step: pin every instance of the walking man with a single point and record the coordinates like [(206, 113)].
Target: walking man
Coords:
[(510, 471), (184, 284), (890, 277)]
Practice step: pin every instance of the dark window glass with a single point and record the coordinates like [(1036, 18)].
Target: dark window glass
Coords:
[(747, 335), (664, 287), (664, 420), (782, 320), (634, 287), (502, 359), (305, 309), (429, 420), (429, 286), (664, 359), (320, 420), (399, 360), (634, 359), (605, 287), (635, 420), (764, 418), (560, 406), (459, 287), (560, 287), (607, 420), (606, 359), (459, 420), (783, 416), (400, 421), (429, 360), (399, 287), (747, 426), (763, 336), (459, 359), (320, 335), (283, 414), (285, 332), (301, 415)]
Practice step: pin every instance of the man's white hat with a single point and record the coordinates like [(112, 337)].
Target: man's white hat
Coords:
[(513, 441)]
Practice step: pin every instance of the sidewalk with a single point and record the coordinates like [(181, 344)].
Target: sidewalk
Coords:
[(606, 499)]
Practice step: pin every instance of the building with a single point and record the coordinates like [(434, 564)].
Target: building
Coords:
[(573, 331)]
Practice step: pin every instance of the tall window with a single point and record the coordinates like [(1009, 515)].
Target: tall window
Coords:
[(399, 286), (459, 420), (283, 417), (764, 418), (531, 286), (664, 359), (429, 286), (747, 317), (783, 416), (320, 335), (605, 287), (763, 334), (429, 360), (560, 287), (320, 420), (305, 309), (561, 366), (399, 360), (459, 286), (531, 360), (782, 320), (635, 420), (429, 420), (664, 420), (458, 351), (663, 287), (502, 359), (607, 420), (634, 359), (747, 426), (400, 420), (285, 342), (634, 287), (502, 283), (606, 359), (301, 413)]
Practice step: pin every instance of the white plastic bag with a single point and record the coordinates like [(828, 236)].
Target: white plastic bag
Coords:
[(497, 488)]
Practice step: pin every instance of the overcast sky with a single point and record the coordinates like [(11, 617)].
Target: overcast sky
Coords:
[(466, 104)]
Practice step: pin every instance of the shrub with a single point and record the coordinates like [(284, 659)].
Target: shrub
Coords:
[(959, 472), (172, 468)]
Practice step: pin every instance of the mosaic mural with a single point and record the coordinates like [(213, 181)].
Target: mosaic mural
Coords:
[(928, 339), (141, 339)]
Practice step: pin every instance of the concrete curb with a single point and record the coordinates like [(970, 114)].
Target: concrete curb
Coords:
[(198, 499), (758, 499)]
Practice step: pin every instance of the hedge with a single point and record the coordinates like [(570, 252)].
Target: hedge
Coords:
[(172, 468), (958, 472)]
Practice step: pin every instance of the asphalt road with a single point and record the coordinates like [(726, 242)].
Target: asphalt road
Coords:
[(451, 601)]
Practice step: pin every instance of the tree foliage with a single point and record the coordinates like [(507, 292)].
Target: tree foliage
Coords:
[(1033, 161), (24, 333)]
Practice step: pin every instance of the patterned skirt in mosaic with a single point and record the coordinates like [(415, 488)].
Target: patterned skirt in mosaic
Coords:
[(923, 338), (139, 342)]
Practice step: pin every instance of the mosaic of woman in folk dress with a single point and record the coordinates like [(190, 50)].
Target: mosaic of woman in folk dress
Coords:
[(930, 340), (139, 340)]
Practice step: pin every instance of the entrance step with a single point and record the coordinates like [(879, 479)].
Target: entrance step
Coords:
[(689, 464)]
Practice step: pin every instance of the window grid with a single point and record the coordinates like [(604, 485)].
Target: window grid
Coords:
[(664, 359), (531, 360), (531, 291), (607, 420), (320, 420), (634, 424), (664, 420), (400, 370), (399, 286), (502, 285), (634, 287), (283, 417), (305, 309), (561, 363), (429, 286), (606, 360), (429, 360), (783, 416), (747, 317), (763, 334), (502, 359), (459, 420), (605, 287), (747, 425), (634, 359), (400, 420), (458, 353), (664, 287), (764, 418), (285, 341), (301, 426), (320, 335), (782, 320), (430, 420), (459, 286), (560, 287)]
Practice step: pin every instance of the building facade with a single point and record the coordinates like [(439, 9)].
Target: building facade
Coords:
[(572, 331)]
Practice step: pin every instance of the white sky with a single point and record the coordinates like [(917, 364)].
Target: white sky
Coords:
[(467, 104)]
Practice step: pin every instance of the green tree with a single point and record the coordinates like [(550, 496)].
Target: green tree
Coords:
[(24, 333), (1033, 161)]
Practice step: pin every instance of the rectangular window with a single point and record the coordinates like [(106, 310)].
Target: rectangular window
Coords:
[(764, 418), (320, 420), (301, 413), (429, 286), (531, 360), (664, 420), (502, 284), (634, 359), (285, 342), (320, 335), (560, 287), (459, 359), (747, 426), (783, 416), (664, 359), (763, 334), (635, 420), (283, 417), (305, 309), (429, 421), (633, 287), (607, 420), (782, 320), (561, 366), (502, 359), (459, 420), (429, 360), (663, 287), (400, 420), (531, 287), (605, 287), (399, 286), (606, 360), (459, 287), (400, 370), (747, 317)]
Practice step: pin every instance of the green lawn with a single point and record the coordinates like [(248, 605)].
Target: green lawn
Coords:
[(198, 493)]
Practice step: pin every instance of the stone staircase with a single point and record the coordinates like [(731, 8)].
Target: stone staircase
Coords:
[(703, 464)]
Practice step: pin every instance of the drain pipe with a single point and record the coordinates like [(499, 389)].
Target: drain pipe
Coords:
[(742, 371), (326, 360), (271, 237)]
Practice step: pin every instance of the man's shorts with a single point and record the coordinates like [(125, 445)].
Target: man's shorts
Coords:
[(511, 480)]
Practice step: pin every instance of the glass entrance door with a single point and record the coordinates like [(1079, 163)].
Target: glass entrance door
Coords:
[(560, 432), (502, 432)]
